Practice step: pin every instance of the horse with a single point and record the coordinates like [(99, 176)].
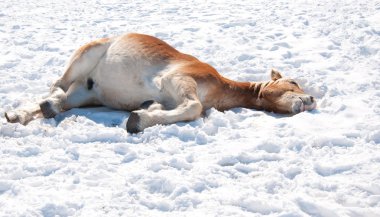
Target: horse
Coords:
[(157, 84)]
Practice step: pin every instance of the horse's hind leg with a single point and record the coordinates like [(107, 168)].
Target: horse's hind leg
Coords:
[(48, 107), (77, 95), (82, 62), (23, 115), (80, 94), (53, 104)]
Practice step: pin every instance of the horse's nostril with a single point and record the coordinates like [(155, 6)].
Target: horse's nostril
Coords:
[(311, 98)]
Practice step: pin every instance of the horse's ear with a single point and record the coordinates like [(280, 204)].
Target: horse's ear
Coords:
[(275, 75)]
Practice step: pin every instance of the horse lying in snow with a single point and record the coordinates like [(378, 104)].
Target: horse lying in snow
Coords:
[(158, 84)]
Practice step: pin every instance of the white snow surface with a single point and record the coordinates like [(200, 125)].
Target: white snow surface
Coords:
[(240, 162)]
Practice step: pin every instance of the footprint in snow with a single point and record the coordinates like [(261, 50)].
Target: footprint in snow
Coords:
[(244, 57), (4, 187), (329, 170), (191, 29), (283, 44)]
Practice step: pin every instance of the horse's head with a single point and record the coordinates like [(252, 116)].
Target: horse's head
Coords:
[(284, 95)]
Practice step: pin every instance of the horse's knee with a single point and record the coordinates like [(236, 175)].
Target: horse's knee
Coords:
[(189, 110), (194, 109)]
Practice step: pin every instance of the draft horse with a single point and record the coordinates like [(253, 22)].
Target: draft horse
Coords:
[(157, 84)]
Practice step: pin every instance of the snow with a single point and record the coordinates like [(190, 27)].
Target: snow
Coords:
[(240, 162)]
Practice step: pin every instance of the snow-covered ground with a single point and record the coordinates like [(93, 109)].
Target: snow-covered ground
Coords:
[(235, 163)]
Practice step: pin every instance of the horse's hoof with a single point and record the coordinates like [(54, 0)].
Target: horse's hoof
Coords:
[(12, 117), (47, 109), (133, 123), (17, 117)]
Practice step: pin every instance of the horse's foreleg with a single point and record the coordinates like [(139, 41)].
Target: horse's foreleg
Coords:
[(182, 90), (77, 95), (187, 111)]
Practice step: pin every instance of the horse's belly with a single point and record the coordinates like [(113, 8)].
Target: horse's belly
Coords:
[(126, 91), (123, 99)]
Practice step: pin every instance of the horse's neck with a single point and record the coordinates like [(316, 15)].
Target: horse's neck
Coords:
[(235, 94)]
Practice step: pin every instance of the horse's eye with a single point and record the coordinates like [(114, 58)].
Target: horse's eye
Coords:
[(293, 82)]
